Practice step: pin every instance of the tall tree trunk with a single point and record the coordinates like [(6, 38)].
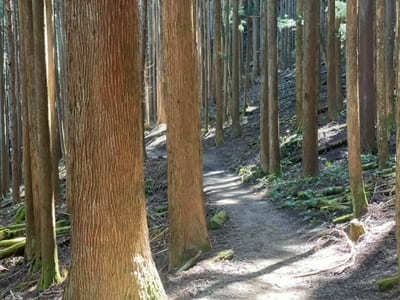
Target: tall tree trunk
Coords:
[(256, 24), (331, 59), (311, 79), (105, 140), (383, 151), (338, 64), (227, 59), (299, 64), (219, 134), (273, 109), (390, 23), (397, 147), (367, 76), (53, 122), (3, 122), (161, 103), (16, 179), (236, 130), (187, 223), (247, 68), (27, 89), (143, 51), (50, 273), (353, 117), (264, 128)]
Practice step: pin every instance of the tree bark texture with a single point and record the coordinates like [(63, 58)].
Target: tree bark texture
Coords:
[(110, 253), (187, 223)]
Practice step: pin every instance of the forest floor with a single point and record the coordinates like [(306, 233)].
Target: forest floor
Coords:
[(284, 243)]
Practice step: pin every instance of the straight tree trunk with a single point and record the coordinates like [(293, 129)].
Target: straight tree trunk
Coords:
[(264, 122), (247, 68), (226, 60), (16, 179), (367, 76), (27, 89), (390, 24), (398, 149), (49, 259), (299, 64), (187, 223), (273, 109), (3, 121), (338, 63), (110, 253), (236, 130), (256, 24), (331, 59), (353, 117), (219, 134), (51, 77), (311, 79), (383, 151)]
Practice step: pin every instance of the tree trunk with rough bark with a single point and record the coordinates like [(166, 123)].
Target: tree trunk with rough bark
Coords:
[(299, 63), (49, 259), (186, 211), (367, 76), (311, 78), (264, 122), (218, 54), (236, 130), (106, 155), (16, 178), (353, 117), (27, 89), (383, 149), (273, 109), (331, 60)]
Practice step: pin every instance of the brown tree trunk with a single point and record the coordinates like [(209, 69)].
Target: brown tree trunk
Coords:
[(218, 54), (366, 76), (49, 259), (161, 103), (187, 223), (264, 122), (16, 179), (27, 89), (299, 64), (273, 109), (311, 78), (383, 151), (109, 227), (256, 24), (390, 23), (331, 59), (236, 130), (3, 123), (353, 117), (53, 122)]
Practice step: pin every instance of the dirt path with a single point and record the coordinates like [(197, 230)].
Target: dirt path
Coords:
[(270, 246)]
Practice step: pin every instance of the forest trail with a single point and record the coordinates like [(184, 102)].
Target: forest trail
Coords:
[(271, 247)]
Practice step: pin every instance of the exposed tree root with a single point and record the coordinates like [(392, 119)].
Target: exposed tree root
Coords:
[(348, 262), (191, 262)]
